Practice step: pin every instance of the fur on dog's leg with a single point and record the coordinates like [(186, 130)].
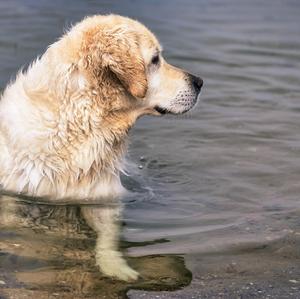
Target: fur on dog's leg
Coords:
[(8, 209), (105, 222)]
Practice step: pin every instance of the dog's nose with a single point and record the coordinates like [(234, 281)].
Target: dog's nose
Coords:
[(197, 83)]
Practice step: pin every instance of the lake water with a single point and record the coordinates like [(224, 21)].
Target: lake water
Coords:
[(225, 175)]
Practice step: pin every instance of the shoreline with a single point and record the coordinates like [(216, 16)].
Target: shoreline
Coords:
[(263, 271)]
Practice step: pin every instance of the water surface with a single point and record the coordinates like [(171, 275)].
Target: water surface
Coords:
[(227, 174)]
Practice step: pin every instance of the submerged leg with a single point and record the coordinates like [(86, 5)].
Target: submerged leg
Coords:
[(105, 222)]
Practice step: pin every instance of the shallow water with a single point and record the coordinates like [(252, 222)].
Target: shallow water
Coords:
[(227, 174)]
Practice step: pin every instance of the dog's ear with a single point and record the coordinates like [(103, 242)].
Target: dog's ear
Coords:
[(118, 51), (127, 64)]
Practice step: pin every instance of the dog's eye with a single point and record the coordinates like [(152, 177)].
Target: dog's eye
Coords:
[(155, 59)]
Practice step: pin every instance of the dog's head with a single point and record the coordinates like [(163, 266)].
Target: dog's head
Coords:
[(124, 59)]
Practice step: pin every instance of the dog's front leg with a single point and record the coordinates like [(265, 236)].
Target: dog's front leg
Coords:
[(105, 222)]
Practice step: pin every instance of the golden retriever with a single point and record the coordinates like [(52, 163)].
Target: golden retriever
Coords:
[(64, 121)]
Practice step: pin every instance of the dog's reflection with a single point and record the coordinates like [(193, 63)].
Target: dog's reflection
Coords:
[(103, 219)]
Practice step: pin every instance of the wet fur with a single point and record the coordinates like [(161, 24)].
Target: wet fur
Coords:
[(64, 122)]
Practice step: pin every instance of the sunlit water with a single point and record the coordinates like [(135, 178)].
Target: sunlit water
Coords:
[(228, 172)]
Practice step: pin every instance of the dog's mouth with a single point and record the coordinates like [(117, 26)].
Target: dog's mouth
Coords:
[(161, 110)]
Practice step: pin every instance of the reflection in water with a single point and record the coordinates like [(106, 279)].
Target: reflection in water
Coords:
[(49, 249), (104, 220)]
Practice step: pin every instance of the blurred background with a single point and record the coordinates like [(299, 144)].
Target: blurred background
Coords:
[(227, 174)]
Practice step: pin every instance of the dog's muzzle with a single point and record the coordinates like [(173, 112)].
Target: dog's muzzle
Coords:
[(185, 99)]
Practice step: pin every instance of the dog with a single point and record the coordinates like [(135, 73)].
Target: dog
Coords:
[(64, 122)]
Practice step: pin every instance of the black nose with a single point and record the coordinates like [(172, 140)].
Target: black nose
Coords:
[(197, 83)]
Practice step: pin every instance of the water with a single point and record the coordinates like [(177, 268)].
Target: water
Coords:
[(227, 174)]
